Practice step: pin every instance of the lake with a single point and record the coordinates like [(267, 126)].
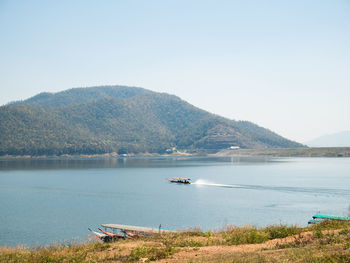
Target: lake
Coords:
[(43, 201)]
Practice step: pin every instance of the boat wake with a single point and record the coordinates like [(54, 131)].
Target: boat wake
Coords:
[(307, 190), (207, 183), (313, 191)]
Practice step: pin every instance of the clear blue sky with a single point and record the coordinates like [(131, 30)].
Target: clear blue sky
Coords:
[(284, 65)]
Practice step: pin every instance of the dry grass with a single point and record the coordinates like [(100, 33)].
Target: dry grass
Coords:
[(325, 242)]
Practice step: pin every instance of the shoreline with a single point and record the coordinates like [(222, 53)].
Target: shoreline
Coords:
[(91, 156), (337, 152), (323, 242)]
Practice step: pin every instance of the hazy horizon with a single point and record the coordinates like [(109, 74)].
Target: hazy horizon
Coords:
[(282, 65)]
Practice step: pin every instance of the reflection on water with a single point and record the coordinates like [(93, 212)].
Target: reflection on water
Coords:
[(140, 162)]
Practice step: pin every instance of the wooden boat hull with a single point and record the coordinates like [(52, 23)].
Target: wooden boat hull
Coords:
[(111, 235)]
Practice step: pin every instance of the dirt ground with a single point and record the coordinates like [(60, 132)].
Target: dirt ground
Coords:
[(214, 253), (220, 253)]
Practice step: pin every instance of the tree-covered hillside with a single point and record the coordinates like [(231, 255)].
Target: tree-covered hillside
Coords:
[(120, 119)]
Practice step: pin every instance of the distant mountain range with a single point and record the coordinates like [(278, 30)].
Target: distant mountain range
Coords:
[(121, 119), (340, 139)]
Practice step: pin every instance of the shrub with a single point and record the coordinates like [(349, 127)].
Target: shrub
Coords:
[(246, 235), (282, 231), (150, 252)]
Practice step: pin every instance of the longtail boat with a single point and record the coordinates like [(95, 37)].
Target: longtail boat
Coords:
[(180, 180), (134, 231), (128, 231), (321, 217)]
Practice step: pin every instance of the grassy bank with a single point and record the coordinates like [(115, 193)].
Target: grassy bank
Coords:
[(289, 152), (325, 242)]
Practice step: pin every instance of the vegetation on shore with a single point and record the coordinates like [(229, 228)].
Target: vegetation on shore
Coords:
[(328, 241), (273, 152), (122, 120), (289, 152)]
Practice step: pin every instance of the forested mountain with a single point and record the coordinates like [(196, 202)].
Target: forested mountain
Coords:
[(121, 119)]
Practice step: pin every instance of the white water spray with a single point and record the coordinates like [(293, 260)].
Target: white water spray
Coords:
[(207, 183)]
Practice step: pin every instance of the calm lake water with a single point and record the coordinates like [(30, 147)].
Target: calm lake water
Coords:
[(52, 200)]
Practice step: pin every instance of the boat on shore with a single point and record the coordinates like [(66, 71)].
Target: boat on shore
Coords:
[(180, 180), (321, 217), (112, 235), (126, 232), (106, 236)]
